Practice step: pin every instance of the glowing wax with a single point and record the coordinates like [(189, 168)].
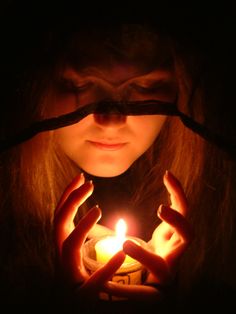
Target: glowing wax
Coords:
[(109, 246)]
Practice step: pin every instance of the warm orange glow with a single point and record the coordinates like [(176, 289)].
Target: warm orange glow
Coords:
[(121, 228), (109, 246)]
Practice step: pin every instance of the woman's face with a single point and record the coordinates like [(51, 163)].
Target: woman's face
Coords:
[(106, 145)]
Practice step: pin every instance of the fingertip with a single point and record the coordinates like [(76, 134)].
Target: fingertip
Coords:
[(172, 184), (166, 173), (80, 178), (162, 210), (77, 181), (167, 176), (90, 182), (88, 186), (170, 178), (129, 246), (98, 210), (159, 210), (95, 212), (121, 255), (117, 260)]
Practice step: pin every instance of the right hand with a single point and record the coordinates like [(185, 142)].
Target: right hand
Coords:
[(70, 239)]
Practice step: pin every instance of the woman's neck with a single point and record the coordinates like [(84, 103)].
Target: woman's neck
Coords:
[(115, 198)]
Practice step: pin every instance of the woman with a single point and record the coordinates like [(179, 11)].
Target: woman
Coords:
[(126, 157)]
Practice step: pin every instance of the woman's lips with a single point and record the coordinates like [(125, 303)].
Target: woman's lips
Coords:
[(110, 146)]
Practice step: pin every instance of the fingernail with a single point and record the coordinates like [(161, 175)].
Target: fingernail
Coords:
[(161, 210), (87, 185), (78, 178), (98, 209), (168, 174), (94, 212)]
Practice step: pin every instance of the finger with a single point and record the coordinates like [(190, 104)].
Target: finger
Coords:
[(133, 292), (80, 233), (177, 221), (75, 184), (97, 280), (177, 195), (182, 236), (154, 263), (72, 246), (64, 220)]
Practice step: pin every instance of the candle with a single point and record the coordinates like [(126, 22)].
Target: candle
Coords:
[(98, 251), (110, 245)]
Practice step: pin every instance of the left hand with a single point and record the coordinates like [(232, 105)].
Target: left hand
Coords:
[(171, 238), (169, 241)]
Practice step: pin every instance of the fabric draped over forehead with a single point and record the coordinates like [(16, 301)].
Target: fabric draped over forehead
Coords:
[(90, 44), (122, 108)]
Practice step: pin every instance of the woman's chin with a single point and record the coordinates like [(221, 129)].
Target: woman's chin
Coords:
[(105, 171)]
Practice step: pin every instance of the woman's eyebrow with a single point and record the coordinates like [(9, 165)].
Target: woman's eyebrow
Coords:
[(157, 76), (161, 77), (71, 74)]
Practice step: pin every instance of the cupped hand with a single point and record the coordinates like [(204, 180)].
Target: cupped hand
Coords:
[(70, 239), (169, 241), (171, 238)]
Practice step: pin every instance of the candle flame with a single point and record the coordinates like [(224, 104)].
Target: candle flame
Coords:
[(121, 229)]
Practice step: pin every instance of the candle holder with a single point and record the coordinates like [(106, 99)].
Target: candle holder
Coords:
[(131, 273)]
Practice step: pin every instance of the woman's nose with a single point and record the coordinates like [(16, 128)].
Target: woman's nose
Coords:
[(106, 119)]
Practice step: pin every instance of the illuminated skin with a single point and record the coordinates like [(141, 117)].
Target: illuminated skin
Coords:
[(107, 145), (169, 241)]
